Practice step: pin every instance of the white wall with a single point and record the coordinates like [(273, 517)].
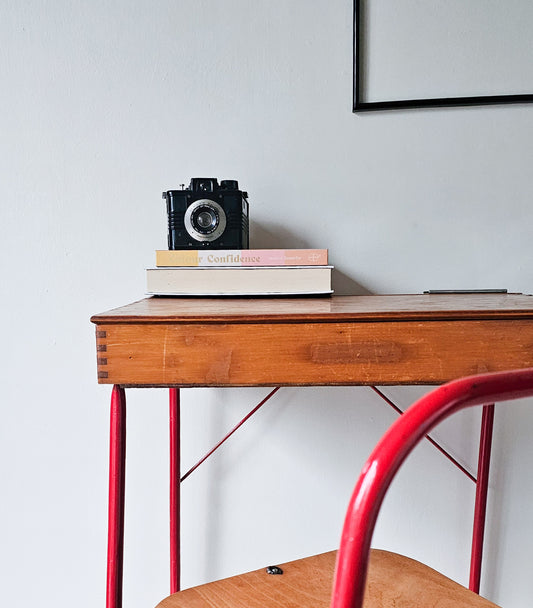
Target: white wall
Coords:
[(104, 105)]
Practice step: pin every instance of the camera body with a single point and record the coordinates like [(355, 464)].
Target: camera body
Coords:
[(208, 215)]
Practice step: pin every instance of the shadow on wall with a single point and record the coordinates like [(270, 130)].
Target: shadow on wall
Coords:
[(274, 236)]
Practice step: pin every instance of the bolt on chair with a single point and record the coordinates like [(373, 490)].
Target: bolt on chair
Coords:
[(356, 576)]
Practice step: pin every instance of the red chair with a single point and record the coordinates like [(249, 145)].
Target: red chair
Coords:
[(360, 576)]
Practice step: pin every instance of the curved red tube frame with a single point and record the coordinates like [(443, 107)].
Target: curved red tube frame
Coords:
[(389, 454)]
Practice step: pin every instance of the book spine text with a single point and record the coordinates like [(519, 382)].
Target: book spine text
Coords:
[(245, 257)]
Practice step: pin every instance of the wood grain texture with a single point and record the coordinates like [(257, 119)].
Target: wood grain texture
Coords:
[(292, 354), (393, 581), (327, 309), (419, 339)]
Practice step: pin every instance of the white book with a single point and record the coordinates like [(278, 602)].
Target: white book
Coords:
[(239, 281)]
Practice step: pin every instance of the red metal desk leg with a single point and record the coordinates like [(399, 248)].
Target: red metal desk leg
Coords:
[(117, 462), (482, 486), (174, 416)]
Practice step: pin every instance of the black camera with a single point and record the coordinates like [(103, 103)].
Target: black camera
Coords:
[(207, 214)]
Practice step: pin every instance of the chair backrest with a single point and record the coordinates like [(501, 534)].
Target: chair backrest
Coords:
[(387, 457)]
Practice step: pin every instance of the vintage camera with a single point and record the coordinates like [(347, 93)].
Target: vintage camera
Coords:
[(207, 214)]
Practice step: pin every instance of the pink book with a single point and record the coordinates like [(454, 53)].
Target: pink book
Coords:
[(242, 257)]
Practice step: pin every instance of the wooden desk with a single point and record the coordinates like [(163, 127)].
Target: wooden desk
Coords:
[(344, 340), (420, 339)]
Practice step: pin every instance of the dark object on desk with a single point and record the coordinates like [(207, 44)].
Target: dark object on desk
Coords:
[(274, 570), (472, 291), (208, 215)]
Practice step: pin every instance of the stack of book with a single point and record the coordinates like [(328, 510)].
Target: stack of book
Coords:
[(247, 272)]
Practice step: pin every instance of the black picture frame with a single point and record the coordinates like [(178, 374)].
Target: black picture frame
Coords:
[(359, 105)]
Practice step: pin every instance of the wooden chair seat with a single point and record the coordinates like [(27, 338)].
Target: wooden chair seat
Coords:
[(393, 581)]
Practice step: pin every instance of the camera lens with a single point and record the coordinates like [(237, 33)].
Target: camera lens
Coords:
[(205, 220)]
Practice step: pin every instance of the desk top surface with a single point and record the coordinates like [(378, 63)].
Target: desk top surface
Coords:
[(322, 309)]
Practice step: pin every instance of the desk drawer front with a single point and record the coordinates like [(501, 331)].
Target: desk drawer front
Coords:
[(309, 353)]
